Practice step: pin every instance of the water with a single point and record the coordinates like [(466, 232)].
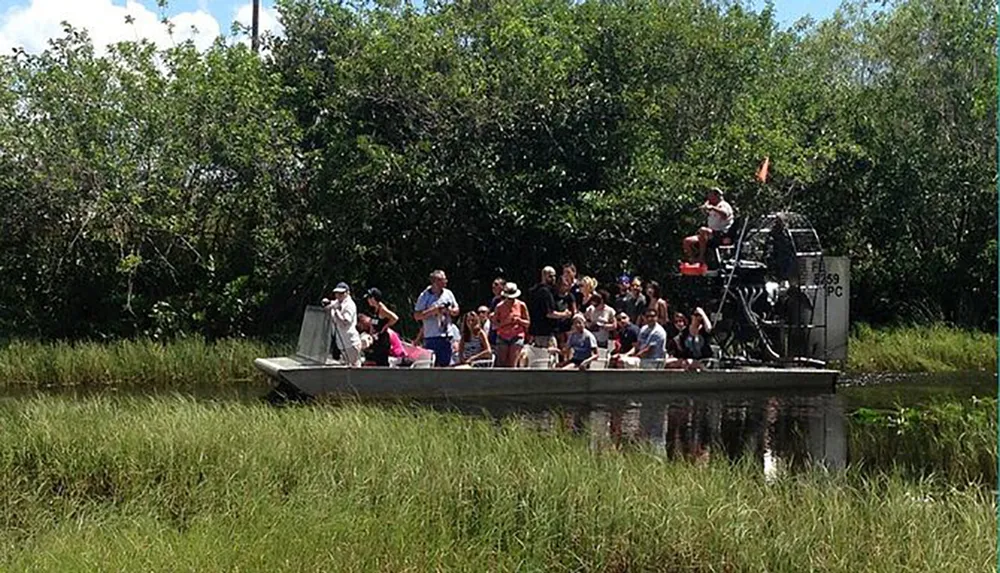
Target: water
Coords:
[(780, 431)]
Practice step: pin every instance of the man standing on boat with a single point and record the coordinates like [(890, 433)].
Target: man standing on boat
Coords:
[(543, 312), (720, 220), (344, 317), (435, 308)]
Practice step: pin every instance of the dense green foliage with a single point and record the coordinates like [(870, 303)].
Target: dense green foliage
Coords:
[(152, 193), (175, 484)]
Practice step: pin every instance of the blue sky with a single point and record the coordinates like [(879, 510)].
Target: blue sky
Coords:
[(788, 11), (30, 23)]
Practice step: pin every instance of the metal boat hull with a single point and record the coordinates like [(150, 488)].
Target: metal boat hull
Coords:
[(316, 379)]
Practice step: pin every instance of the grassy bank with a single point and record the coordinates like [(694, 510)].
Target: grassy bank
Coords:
[(934, 348), (175, 484), (187, 361), (144, 362)]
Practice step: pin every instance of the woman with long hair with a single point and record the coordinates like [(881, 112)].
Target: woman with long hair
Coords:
[(600, 318), (657, 303), (383, 346), (588, 286), (497, 287), (474, 343)]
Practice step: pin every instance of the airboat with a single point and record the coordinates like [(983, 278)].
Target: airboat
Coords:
[(778, 305)]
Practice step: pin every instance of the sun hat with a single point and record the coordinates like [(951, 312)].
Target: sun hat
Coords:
[(510, 290), (341, 287)]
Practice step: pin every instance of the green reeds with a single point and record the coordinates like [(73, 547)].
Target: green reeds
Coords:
[(954, 441), (195, 361), (935, 348), (168, 484), (182, 362)]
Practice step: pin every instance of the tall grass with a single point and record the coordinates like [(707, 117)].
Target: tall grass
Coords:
[(955, 441), (181, 362), (935, 348), (195, 361), (174, 484)]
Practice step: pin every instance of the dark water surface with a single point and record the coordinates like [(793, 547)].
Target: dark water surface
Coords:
[(779, 430)]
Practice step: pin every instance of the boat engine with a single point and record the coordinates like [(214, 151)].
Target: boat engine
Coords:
[(762, 299)]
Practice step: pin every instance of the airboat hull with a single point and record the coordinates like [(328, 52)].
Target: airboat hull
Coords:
[(313, 379)]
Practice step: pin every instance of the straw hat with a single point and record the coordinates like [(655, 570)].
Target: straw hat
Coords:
[(510, 290)]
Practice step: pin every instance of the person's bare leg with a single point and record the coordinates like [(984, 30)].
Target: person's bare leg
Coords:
[(703, 235), (689, 244), (512, 353)]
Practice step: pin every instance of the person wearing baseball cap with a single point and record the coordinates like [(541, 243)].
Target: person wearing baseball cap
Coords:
[(344, 318), (623, 281)]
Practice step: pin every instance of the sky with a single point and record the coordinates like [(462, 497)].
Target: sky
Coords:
[(29, 24)]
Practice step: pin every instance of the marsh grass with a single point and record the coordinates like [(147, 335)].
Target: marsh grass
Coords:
[(194, 361), (935, 348), (176, 484), (953, 441), (144, 362)]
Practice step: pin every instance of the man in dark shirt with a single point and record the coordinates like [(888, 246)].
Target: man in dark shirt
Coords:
[(628, 333), (628, 337), (542, 309), (623, 283)]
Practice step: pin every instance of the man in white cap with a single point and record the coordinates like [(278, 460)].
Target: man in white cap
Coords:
[(720, 220), (344, 317)]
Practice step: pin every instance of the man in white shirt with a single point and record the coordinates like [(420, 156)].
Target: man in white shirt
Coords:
[(344, 317), (720, 220)]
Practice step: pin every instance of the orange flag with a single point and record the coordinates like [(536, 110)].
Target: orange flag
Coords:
[(762, 172)]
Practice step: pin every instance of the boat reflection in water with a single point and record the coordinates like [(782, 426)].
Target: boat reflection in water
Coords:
[(781, 432)]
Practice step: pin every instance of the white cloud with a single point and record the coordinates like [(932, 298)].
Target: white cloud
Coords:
[(31, 25)]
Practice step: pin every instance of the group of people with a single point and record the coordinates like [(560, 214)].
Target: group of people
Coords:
[(564, 317)]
